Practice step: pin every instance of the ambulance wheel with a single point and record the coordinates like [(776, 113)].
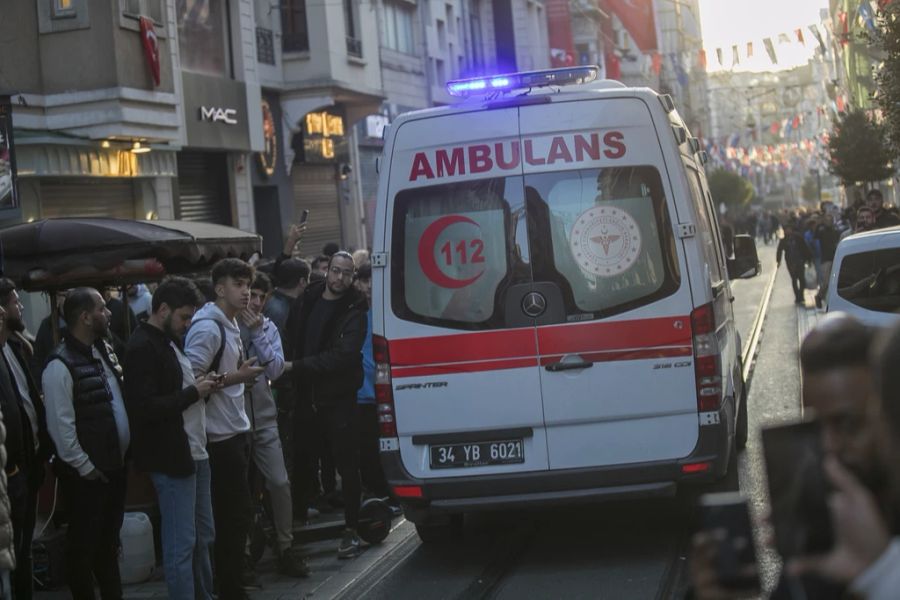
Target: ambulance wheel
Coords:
[(437, 531), (374, 520), (742, 427)]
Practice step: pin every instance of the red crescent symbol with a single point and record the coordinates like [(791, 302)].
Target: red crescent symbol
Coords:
[(426, 253)]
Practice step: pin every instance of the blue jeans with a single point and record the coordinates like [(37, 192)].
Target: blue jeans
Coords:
[(188, 532)]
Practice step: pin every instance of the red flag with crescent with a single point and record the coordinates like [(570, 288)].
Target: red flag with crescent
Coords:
[(637, 17), (151, 47)]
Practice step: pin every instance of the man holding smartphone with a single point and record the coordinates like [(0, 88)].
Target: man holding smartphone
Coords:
[(261, 339), (214, 337), (166, 407)]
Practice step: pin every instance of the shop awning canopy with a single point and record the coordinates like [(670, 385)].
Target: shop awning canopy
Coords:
[(62, 253)]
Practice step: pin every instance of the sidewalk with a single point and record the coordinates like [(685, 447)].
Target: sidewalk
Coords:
[(330, 576)]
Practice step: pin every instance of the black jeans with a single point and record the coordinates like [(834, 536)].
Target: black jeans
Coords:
[(23, 506), (798, 282), (228, 461), (340, 422), (95, 510), (369, 453)]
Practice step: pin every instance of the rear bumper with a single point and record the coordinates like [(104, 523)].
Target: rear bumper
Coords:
[(449, 495)]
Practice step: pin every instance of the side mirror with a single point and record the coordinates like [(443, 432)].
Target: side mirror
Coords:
[(745, 263)]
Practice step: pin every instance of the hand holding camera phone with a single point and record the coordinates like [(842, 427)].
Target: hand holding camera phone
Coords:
[(724, 545), (798, 489)]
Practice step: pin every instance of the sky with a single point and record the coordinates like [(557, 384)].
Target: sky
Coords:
[(729, 22)]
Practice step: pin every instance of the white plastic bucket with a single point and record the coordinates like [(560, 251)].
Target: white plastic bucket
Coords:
[(138, 557)]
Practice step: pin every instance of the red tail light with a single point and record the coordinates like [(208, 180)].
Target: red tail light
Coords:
[(707, 358), (407, 491), (701, 467), (384, 389)]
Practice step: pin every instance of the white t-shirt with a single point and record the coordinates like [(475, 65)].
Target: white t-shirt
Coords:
[(194, 416)]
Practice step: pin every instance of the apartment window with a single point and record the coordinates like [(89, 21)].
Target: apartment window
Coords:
[(450, 19), (351, 23), (398, 26), (477, 52), (442, 35), (203, 36), (440, 72), (145, 8), (62, 15), (63, 9), (294, 34)]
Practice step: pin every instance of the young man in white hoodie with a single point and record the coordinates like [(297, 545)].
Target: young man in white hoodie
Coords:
[(262, 340), (213, 343)]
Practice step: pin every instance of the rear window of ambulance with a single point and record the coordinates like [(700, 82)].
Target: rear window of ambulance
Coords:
[(604, 236), (452, 252)]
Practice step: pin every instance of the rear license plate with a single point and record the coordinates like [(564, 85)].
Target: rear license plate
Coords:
[(448, 456)]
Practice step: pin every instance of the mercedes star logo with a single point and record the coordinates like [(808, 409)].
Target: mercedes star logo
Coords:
[(534, 304)]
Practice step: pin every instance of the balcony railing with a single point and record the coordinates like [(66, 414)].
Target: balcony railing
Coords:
[(354, 47), (265, 46)]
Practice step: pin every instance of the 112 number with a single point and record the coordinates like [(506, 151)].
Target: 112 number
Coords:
[(462, 247)]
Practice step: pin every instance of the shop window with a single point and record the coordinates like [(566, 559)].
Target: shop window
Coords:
[(294, 34), (203, 37)]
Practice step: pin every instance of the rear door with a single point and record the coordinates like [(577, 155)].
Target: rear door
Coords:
[(617, 376), (465, 373)]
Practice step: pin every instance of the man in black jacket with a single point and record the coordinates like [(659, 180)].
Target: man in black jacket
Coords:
[(87, 422), (796, 254), (327, 328), (167, 415), (28, 471)]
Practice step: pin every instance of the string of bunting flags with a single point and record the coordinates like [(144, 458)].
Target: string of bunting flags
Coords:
[(798, 156), (822, 35)]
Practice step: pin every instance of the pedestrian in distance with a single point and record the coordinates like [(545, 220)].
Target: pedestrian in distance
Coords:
[(262, 340), (166, 407), (796, 254), (327, 327), (865, 220), (213, 344), (884, 217), (27, 466), (88, 424)]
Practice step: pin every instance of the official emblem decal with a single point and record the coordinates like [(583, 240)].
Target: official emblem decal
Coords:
[(605, 241)]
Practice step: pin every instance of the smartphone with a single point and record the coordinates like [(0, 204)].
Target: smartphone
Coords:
[(304, 216), (798, 489), (726, 517)]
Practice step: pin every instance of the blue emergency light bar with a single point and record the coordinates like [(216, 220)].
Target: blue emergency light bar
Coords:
[(519, 81)]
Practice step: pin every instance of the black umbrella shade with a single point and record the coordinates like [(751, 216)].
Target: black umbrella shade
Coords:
[(62, 253)]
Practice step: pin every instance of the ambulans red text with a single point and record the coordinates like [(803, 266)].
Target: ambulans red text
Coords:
[(481, 158)]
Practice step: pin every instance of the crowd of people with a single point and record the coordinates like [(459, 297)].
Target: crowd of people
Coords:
[(255, 375), (810, 238)]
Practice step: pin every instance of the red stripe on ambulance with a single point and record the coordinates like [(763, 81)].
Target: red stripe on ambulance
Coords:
[(663, 337)]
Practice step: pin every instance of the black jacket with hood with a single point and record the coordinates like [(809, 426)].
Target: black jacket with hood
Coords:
[(334, 373)]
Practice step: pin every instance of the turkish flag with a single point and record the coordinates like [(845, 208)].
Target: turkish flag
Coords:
[(638, 18), (151, 47)]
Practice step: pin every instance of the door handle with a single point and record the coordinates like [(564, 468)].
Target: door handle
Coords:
[(568, 366)]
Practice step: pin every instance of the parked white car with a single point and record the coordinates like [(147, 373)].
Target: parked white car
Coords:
[(865, 278)]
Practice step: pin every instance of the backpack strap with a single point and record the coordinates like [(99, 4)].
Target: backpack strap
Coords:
[(217, 358)]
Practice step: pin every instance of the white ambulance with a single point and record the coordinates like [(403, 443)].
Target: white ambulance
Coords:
[(552, 307)]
